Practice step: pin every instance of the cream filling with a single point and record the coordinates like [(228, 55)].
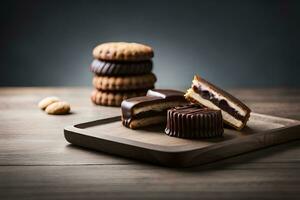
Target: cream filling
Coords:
[(157, 107), (240, 110), (226, 116)]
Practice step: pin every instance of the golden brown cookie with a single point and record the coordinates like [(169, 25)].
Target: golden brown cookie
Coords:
[(114, 98), (124, 83), (123, 51), (47, 101), (58, 108)]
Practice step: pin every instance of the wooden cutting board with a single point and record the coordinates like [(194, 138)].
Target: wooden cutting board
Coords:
[(152, 145)]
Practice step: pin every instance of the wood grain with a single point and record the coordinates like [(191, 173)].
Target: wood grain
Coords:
[(147, 182), (37, 163), (152, 145)]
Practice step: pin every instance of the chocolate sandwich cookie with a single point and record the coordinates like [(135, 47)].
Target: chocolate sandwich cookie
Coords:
[(108, 98), (123, 51), (194, 122), (113, 68), (119, 83), (234, 112), (148, 110)]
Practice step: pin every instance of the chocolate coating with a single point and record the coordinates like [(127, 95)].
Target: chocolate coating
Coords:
[(130, 104), (156, 106), (111, 68), (165, 93), (194, 121)]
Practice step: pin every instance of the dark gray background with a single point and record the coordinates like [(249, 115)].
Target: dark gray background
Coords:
[(231, 43)]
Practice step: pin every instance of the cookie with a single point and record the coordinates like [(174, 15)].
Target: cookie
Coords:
[(111, 68), (114, 98), (234, 112), (149, 110), (194, 121), (47, 101), (123, 51), (124, 83), (58, 108)]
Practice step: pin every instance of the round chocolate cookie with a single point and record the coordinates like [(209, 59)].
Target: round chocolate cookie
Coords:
[(194, 121), (110, 68)]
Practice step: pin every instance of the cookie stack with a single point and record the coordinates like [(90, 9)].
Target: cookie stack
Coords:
[(122, 70)]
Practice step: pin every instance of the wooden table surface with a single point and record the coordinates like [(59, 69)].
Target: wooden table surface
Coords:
[(37, 163)]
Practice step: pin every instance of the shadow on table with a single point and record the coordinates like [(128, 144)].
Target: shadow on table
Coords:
[(242, 161)]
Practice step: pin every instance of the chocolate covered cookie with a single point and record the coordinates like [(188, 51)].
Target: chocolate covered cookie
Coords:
[(114, 68), (123, 51), (194, 121), (234, 112), (148, 110)]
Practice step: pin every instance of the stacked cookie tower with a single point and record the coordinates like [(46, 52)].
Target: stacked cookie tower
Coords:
[(122, 70)]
